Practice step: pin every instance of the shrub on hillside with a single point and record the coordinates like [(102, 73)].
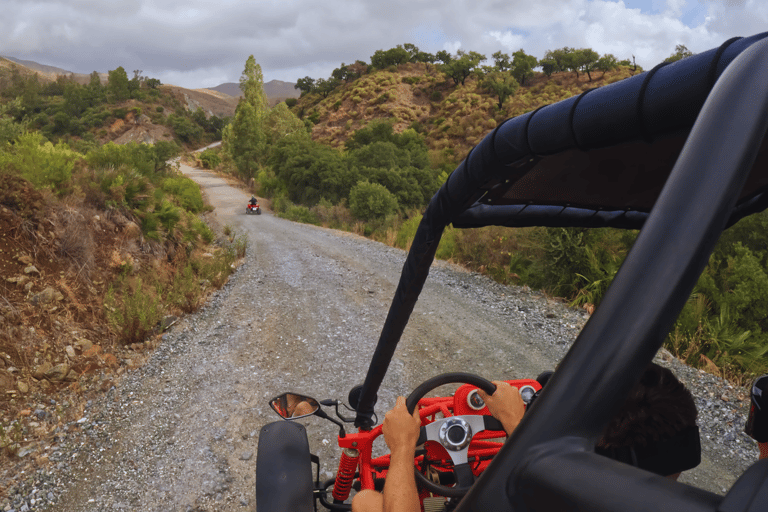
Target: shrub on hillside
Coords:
[(40, 162), (369, 201), (210, 159)]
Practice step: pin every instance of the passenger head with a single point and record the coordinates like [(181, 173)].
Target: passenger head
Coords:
[(656, 428)]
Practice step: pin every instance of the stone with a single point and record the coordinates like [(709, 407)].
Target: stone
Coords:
[(31, 269), (26, 259), (41, 370), (19, 280), (70, 351), (58, 373), (23, 387), (167, 322), (46, 296), (132, 230), (83, 345)]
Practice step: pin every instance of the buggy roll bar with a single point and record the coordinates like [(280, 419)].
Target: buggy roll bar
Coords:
[(549, 461)]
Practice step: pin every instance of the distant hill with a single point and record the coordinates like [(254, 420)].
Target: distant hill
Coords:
[(275, 90), (452, 118), (42, 68)]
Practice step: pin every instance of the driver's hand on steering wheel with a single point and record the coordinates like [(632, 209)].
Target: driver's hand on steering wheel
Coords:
[(505, 405), (401, 429)]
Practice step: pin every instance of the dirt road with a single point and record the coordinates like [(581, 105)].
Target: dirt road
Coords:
[(302, 314)]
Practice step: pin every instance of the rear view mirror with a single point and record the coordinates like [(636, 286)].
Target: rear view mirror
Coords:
[(291, 406)]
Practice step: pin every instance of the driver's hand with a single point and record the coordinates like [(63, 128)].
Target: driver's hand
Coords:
[(505, 405), (400, 429)]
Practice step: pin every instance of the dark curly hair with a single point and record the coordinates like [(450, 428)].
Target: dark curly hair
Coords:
[(658, 407)]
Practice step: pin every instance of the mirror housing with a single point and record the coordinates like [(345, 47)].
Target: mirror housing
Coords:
[(291, 406)]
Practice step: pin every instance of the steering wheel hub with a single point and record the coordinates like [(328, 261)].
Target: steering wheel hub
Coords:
[(455, 434)]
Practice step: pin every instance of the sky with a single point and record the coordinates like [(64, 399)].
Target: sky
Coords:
[(203, 43)]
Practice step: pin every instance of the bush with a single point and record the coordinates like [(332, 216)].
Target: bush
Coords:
[(369, 201), (133, 309), (301, 214), (291, 102), (40, 162), (210, 159)]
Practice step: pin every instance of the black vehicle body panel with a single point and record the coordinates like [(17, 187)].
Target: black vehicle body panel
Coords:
[(284, 469)]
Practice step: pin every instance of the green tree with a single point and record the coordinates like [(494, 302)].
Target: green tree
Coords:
[(252, 85), (343, 74), (444, 57), (460, 67), (281, 122), (305, 85), (118, 85), (9, 129), (369, 201), (311, 171), (382, 59), (503, 85), (586, 59), (325, 87), (607, 62), (501, 61), (95, 90), (522, 66), (246, 142), (681, 52)]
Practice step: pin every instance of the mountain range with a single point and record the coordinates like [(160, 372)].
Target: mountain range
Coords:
[(275, 90)]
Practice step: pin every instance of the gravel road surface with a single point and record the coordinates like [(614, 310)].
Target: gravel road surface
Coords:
[(303, 314)]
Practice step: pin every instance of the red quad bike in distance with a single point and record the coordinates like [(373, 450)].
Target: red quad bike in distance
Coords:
[(253, 208), (680, 153)]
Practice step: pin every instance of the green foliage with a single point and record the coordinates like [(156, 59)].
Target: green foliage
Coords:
[(522, 66), (185, 128), (607, 62), (40, 162), (210, 159), (580, 263), (9, 129), (298, 213), (133, 309), (503, 85), (310, 170), (369, 201), (681, 52), (382, 59), (186, 192), (146, 159), (255, 128), (118, 86), (462, 65)]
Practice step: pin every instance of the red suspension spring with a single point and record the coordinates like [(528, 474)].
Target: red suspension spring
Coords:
[(345, 475)]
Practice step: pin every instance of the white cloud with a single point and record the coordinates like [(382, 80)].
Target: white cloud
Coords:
[(198, 41)]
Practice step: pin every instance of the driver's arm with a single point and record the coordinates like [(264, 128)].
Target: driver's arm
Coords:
[(401, 431), (505, 405)]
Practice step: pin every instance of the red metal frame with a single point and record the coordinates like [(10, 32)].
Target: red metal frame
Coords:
[(481, 450)]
